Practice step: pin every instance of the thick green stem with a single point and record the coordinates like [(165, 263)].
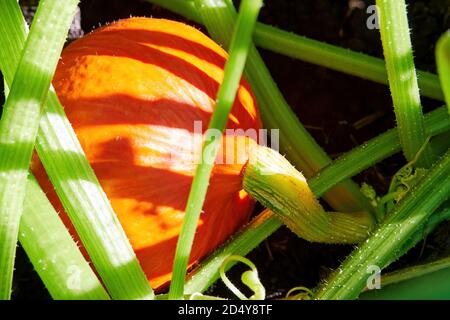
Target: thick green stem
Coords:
[(374, 151), (337, 58), (407, 283), (402, 76), (273, 181), (344, 167), (295, 141), (316, 52), (20, 119), (390, 238), (52, 251), (423, 281), (224, 102)]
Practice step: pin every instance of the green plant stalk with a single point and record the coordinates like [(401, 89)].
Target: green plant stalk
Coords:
[(269, 178), (440, 215), (346, 166), (234, 67), (20, 120), (294, 140), (443, 64), (313, 51), (336, 58), (264, 222), (74, 180), (395, 37), (201, 278), (424, 281), (374, 151), (392, 286), (52, 251), (388, 241), (395, 285)]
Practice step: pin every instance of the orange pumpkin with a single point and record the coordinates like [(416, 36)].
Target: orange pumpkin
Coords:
[(132, 91)]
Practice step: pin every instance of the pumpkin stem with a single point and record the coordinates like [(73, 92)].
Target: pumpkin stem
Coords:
[(272, 180)]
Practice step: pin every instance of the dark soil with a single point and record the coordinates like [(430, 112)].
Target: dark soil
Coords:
[(327, 102)]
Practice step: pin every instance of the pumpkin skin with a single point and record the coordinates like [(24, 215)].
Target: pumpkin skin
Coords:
[(132, 91)]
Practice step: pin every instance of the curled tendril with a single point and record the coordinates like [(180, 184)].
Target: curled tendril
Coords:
[(407, 176), (250, 278), (400, 185), (303, 294)]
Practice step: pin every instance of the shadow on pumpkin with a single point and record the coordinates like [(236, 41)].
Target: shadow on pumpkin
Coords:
[(150, 205), (119, 131), (128, 110), (105, 44), (149, 108), (167, 40)]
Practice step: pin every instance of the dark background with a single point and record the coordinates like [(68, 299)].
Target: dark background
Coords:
[(327, 102)]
